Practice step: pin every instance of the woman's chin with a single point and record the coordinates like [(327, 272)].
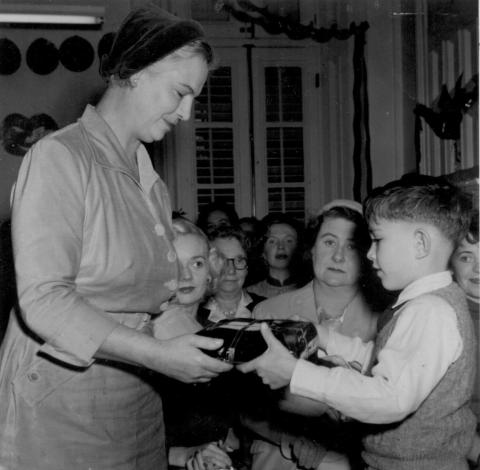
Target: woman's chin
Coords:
[(188, 300), (337, 281)]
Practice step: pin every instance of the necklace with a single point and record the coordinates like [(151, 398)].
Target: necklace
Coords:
[(229, 313), (333, 321)]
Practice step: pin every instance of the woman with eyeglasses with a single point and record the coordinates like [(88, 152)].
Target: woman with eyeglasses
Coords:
[(230, 299)]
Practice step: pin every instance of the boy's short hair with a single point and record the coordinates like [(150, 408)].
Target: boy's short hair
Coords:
[(437, 203)]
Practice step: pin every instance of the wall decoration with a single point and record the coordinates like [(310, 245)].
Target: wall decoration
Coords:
[(42, 56), (446, 113), (76, 54), (19, 133), (10, 57)]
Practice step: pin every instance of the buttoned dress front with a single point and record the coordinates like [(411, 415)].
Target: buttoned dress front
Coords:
[(92, 246)]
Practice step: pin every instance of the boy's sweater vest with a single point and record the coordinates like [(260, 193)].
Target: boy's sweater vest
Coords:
[(438, 435)]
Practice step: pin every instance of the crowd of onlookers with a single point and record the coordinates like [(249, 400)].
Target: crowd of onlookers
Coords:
[(321, 272), (280, 268)]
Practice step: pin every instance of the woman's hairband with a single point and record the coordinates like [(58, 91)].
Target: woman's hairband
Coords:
[(354, 205)]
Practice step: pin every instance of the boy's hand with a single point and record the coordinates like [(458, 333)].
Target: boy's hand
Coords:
[(275, 366)]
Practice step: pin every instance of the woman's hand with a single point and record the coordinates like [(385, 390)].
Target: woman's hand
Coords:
[(209, 457), (181, 358), (275, 366)]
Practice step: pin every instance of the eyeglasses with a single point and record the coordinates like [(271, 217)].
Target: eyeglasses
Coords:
[(239, 263)]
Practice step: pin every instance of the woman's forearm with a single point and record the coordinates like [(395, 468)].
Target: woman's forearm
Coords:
[(181, 358)]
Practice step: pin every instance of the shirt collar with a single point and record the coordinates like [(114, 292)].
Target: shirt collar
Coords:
[(112, 154), (216, 313), (424, 285), (275, 282)]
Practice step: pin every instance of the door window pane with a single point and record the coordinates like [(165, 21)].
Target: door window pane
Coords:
[(283, 97), (206, 195), (214, 156), (284, 140), (286, 199), (285, 155), (214, 104)]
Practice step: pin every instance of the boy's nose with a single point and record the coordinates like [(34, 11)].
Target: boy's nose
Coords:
[(371, 253)]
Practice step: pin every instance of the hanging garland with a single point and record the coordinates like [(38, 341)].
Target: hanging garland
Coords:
[(246, 12)]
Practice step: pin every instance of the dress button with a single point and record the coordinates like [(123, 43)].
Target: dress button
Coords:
[(171, 256), (159, 230), (33, 376), (171, 285)]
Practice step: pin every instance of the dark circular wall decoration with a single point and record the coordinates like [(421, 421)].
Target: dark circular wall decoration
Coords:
[(42, 56), (10, 57), (76, 54)]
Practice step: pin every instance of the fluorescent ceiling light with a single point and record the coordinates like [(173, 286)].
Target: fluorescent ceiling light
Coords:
[(37, 18), (30, 13)]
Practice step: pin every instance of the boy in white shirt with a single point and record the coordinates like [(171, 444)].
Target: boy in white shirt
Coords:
[(417, 376)]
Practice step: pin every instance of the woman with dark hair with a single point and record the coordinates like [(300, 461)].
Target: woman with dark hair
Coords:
[(280, 249), (217, 214), (465, 265), (92, 241), (337, 241)]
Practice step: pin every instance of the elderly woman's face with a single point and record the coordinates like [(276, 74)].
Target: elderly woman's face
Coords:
[(163, 94), (336, 261), (231, 277)]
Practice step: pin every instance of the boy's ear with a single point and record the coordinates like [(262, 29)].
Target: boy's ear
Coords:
[(423, 243)]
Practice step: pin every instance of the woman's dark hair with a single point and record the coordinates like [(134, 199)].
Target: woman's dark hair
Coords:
[(361, 234), (221, 206), (147, 35), (273, 218)]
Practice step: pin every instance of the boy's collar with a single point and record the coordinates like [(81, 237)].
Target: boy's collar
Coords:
[(424, 285)]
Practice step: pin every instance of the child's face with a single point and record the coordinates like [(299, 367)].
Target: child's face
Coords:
[(280, 245), (392, 252), (466, 268), (192, 253)]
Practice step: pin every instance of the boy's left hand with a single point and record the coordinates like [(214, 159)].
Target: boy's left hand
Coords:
[(275, 366)]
